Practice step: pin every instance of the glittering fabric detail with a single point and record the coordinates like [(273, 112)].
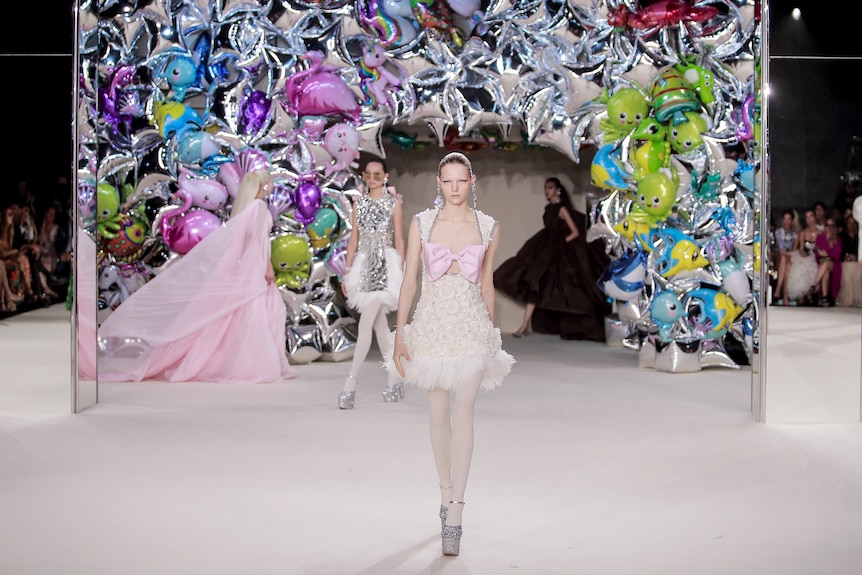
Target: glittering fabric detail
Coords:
[(376, 271), (374, 223)]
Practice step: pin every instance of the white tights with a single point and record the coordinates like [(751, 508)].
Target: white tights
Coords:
[(372, 318), (452, 441)]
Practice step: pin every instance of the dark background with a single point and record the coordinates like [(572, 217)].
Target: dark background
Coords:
[(814, 109), (814, 104), (36, 96)]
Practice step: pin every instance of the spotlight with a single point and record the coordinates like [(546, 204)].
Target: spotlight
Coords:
[(796, 14)]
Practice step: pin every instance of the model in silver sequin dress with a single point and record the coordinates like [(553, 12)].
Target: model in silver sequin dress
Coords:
[(373, 281)]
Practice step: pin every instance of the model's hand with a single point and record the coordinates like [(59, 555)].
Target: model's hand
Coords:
[(269, 275), (398, 352)]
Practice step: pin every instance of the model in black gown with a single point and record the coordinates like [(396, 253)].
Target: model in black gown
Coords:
[(555, 274)]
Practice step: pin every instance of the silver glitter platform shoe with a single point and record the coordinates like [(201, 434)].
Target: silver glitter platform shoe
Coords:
[(393, 393), (345, 399), (452, 535), (451, 539)]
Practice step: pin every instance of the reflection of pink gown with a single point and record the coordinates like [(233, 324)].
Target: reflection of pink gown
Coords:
[(85, 302), (211, 316)]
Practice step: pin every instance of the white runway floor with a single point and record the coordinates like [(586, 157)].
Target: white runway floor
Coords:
[(584, 464)]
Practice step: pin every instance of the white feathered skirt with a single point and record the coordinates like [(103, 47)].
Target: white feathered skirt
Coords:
[(388, 298)]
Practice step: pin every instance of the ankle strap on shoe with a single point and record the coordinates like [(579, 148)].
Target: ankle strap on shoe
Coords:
[(457, 503)]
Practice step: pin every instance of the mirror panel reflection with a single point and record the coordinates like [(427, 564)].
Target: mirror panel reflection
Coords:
[(812, 289), (85, 380), (192, 125)]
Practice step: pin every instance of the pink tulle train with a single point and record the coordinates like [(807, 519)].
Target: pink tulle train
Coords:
[(210, 316)]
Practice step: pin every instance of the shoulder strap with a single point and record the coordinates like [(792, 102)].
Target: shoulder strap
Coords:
[(487, 226), (425, 219)]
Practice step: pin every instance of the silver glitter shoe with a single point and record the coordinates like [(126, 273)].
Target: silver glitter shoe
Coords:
[(452, 535), (399, 387), (390, 394), (451, 539), (345, 399)]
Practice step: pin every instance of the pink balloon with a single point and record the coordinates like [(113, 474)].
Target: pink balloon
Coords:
[(319, 91), (183, 228)]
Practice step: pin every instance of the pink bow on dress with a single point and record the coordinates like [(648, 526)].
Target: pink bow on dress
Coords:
[(438, 260)]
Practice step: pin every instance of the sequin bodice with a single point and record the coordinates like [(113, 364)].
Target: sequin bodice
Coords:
[(374, 225)]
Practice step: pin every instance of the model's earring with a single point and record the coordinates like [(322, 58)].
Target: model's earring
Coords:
[(438, 201), (474, 195)]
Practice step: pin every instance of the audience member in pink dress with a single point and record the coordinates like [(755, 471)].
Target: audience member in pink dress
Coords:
[(214, 315), (828, 253)]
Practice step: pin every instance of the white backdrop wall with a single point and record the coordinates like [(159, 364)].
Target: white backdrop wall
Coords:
[(509, 187)]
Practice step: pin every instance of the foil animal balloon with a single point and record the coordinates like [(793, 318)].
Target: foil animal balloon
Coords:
[(390, 21), (437, 15), (174, 118), (342, 143), (320, 91), (376, 81), (626, 109), (128, 240), (320, 231), (291, 260), (638, 229), (667, 311), (197, 147), (672, 96), (109, 221), (204, 193), (307, 198), (656, 194), (180, 73), (686, 135), (710, 312), (699, 78), (624, 278), (182, 228), (677, 253), (607, 169), (654, 153)]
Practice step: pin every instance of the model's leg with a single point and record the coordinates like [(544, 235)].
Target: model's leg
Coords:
[(787, 267), (363, 343), (528, 315), (441, 440), (782, 273), (381, 332), (461, 450)]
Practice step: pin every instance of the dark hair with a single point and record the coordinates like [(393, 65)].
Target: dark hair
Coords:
[(380, 161), (565, 199), (788, 212), (820, 203)]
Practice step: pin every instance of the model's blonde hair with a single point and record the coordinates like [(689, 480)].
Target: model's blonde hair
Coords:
[(248, 190)]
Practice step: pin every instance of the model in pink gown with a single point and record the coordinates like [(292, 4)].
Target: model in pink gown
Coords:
[(211, 316)]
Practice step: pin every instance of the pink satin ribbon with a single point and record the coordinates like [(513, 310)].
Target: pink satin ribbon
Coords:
[(438, 260)]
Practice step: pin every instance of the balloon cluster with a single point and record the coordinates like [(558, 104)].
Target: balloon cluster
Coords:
[(178, 99)]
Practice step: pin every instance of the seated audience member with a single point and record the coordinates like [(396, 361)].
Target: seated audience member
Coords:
[(785, 239), (850, 294), (827, 252)]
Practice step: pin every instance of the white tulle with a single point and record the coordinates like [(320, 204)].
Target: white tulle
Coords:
[(388, 298)]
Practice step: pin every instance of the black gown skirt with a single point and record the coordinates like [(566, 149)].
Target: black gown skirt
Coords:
[(560, 278)]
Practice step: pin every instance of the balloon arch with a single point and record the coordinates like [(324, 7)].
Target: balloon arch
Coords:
[(177, 99)]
